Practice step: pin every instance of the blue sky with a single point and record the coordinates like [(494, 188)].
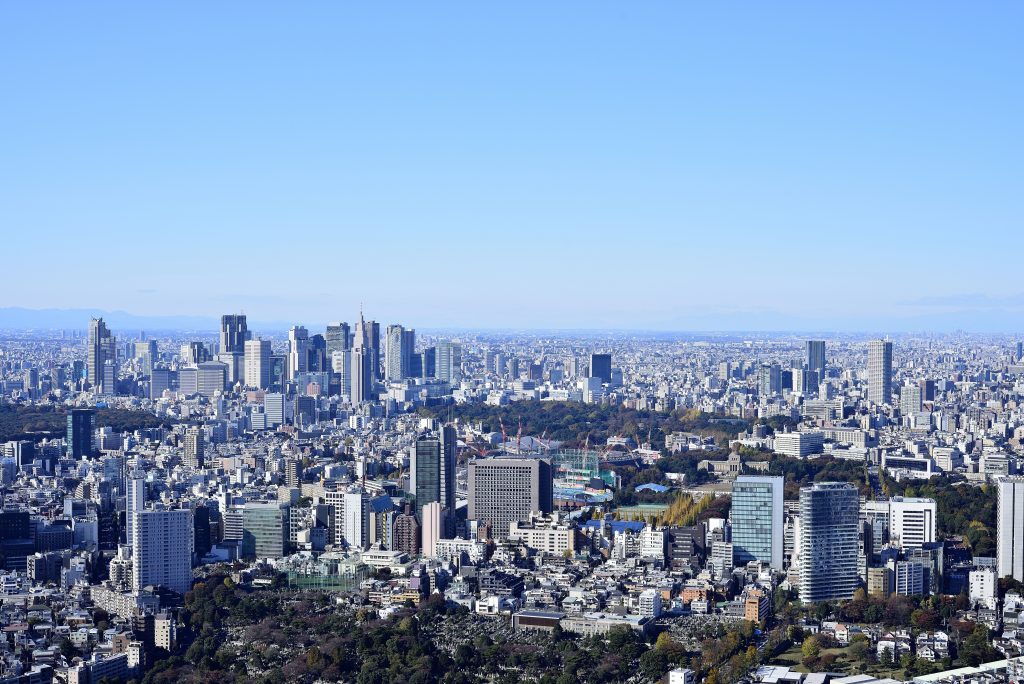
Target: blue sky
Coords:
[(591, 165)]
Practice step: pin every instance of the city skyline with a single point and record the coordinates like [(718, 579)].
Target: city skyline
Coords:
[(723, 160)]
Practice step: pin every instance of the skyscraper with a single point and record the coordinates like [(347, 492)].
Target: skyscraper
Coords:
[(769, 379), (162, 545), (601, 367), (448, 360), (257, 363), (233, 334), (1010, 528), (829, 521), (506, 490), (135, 501), (757, 519), (298, 339), (397, 352), (81, 423), (361, 379), (880, 371), (432, 469), (910, 400), (337, 338), (102, 347), (816, 358)]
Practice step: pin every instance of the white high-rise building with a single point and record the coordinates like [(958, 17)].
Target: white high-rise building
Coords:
[(257, 363), (162, 546), (829, 521), (1010, 528), (298, 341), (880, 371), (911, 521), (431, 529), (135, 500)]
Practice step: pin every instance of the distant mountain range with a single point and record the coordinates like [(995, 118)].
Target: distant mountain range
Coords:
[(17, 318)]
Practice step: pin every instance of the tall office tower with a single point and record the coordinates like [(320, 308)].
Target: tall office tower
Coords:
[(1020, 351), (911, 522), (1010, 528), (147, 354), (317, 360), (769, 379), (233, 334), (432, 469), (341, 363), (910, 400), (274, 406), (361, 365), (102, 347), (800, 379), (264, 530), (880, 371), (816, 358), (257, 363), (927, 389), (829, 521), (135, 500), (601, 367), (757, 520), (429, 363), (159, 380), (507, 490), (193, 454), (448, 361), (337, 338), (396, 355), (298, 340), (373, 331), (81, 422), (193, 353), (162, 546), (109, 373), (513, 368), (408, 350)]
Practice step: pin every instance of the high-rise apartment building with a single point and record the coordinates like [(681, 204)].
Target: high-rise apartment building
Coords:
[(757, 520), (162, 545), (911, 400), (135, 501), (880, 371), (504, 490), (829, 515), (194, 449), (1010, 528), (257, 363)]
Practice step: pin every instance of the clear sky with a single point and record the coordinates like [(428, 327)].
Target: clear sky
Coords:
[(818, 165)]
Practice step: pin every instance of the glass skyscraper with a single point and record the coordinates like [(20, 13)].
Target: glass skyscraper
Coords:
[(757, 520)]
